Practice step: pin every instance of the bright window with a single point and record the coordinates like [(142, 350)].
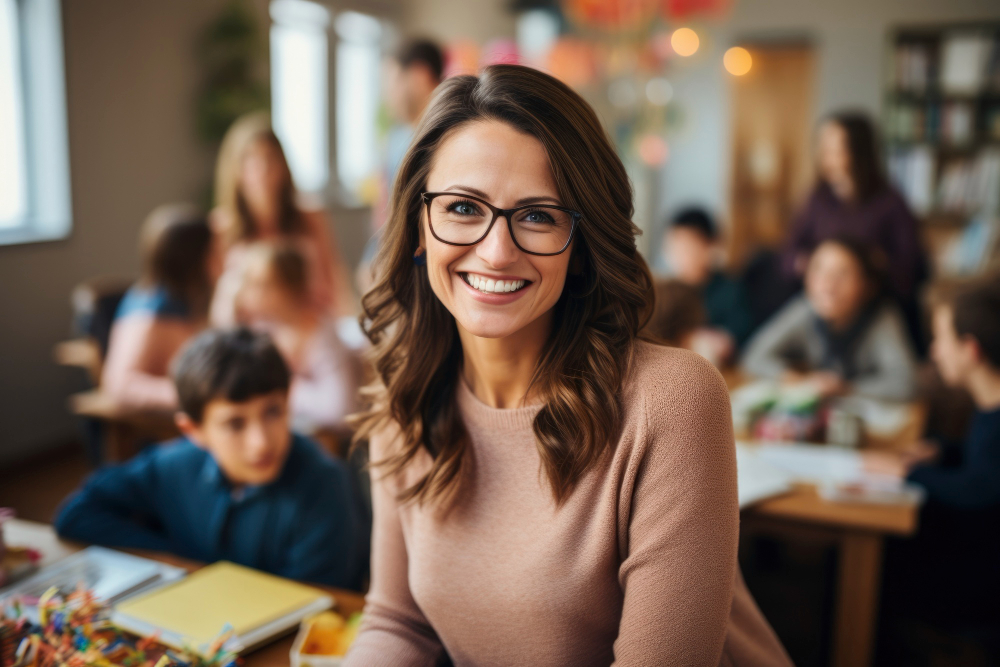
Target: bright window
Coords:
[(300, 89), (13, 186), (359, 53), (34, 155)]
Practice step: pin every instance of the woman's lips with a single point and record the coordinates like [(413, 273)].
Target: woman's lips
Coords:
[(494, 297)]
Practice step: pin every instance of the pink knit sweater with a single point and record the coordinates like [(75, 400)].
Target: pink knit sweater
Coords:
[(638, 567)]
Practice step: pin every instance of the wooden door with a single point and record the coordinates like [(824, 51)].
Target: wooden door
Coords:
[(772, 128)]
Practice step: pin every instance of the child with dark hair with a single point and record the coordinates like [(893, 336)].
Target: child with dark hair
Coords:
[(165, 308), (691, 246), (949, 571), (677, 313), (239, 485), (841, 336)]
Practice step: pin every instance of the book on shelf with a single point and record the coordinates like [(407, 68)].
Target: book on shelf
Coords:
[(959, 62), (964, 60), (964, 186)]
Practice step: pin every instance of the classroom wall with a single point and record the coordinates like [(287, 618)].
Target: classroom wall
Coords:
[(132, 77), (451, 20)]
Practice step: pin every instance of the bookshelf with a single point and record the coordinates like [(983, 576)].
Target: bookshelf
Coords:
[(941, 121)]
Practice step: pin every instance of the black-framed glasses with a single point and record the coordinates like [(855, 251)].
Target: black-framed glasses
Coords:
[(537, 229)]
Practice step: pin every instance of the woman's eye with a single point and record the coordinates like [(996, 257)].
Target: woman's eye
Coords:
[(537, 216), (463, 208)]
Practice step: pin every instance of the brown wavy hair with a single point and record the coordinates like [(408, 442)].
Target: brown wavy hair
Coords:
[(174, 245), (241, 135), (606, 300)]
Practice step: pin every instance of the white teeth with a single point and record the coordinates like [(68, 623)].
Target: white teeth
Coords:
[(491, 286)]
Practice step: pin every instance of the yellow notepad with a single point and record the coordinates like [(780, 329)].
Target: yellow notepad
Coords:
[(194, 610)]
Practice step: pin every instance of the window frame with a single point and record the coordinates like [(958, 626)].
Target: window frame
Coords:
[(45, 138), (388, 16)]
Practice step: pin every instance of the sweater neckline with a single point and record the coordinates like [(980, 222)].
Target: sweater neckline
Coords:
[(479, 415)]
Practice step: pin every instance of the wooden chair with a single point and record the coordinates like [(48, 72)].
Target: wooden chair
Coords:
[(113, 433)]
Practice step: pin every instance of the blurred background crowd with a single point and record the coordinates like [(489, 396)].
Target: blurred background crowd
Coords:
[(804, 172)]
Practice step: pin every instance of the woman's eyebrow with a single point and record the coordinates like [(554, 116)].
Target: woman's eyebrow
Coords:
[(520, 202)]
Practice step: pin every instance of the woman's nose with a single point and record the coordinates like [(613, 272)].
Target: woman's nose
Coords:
[(498, 249)]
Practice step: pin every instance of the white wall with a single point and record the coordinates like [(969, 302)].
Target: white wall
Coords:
[(451, 20)]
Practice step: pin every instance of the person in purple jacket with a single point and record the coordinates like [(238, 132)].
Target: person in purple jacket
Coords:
[(853, 197)]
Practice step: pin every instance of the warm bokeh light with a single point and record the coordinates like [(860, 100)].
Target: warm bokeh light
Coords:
[(685, 41), (737, 61)]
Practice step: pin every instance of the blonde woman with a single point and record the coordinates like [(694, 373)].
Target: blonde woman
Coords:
[(548, 489), (256, 201)]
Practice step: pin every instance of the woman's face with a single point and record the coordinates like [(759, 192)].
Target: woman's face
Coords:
[(835, 157), (494, 162), (262, 172), (835, 284)]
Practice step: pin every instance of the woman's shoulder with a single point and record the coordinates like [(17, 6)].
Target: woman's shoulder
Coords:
[(667, 380), (154, 301), (676, 414)]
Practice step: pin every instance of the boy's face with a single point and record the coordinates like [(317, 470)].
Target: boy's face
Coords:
[(249, 441), (954, 356), (690, 255)]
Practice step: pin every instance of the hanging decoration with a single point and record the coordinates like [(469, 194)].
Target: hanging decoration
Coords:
[(680, 10), (611, 14)]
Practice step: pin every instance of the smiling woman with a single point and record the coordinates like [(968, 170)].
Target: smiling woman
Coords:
[(549, 489)]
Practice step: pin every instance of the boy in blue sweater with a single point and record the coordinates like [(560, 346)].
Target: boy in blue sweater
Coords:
[(949, 571), (238, 486)]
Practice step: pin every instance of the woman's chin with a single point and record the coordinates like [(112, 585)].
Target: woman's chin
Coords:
[(487, 326)]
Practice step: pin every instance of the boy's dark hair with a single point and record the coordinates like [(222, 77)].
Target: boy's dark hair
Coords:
[(975, 308), (696, 219), (677, 311), (423, 52), (230, 364)]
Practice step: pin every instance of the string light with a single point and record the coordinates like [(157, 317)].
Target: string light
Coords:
[(737, 61), (685, 41)]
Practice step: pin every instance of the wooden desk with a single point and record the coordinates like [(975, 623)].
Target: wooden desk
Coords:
[(859, 533), (127, 429), (43, 537), (858, 530)]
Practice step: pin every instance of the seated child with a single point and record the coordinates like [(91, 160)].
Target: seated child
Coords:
[(274, 297), (163, 310), (677, 313), (841, 336), (692, 247), (951, 566), (239, 485)]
